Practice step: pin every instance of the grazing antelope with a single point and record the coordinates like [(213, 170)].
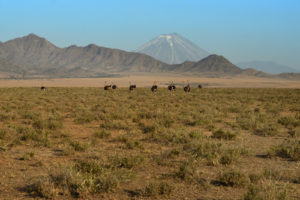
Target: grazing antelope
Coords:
[(43, 88), (154, 87), (107, 87), (131, 87), (172, 87), (200, 86), (114, 86), (187, 88)]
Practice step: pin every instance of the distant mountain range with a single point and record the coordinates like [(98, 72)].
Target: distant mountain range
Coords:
[(35, 57), (172, 49), (267, 66)]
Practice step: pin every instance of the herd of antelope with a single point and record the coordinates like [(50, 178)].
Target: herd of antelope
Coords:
[(171, 87)]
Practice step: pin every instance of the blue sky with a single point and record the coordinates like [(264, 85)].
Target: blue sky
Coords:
[(241, 30)]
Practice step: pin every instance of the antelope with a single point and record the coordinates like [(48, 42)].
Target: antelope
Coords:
[(154, 87), (187, 88), (114, 86), (107, 87), (172, 87), (131, 87)]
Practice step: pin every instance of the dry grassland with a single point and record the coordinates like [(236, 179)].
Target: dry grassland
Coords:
[(87, 143)]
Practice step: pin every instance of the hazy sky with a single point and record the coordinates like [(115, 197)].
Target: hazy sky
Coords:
[(241, 30)]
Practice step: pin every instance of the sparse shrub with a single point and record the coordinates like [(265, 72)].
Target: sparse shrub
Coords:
[(120, 138), (6, 116), (85, 116), (77, 146), (89, 167), (214, 153), (221, 134), (30, 115), (51, 123), (235, 109), (178, 136), (173, 153), (149, 128), (114, 124), (196, 135), (155, 189), (133, 144), (125, 162), (289, 121), (105, 183), (233, 178), (186, 171), (54, 124), (38, 124), (41, 187), (272, 173), (266, 130), (297, 178), (254, 178), (267, 190), (190, 172), (167, 122), (3, 133), (102, 134), (290, 150), (229, 156), (39, 136), (27, 156), (248, 121), (84, 178)]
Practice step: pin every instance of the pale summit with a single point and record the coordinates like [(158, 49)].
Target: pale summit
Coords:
[(173, 49)]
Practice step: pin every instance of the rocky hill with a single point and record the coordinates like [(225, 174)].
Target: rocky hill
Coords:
[(211, 64), (41, 57), (33, 57)]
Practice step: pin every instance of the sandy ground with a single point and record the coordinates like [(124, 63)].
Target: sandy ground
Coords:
[(161, 80)]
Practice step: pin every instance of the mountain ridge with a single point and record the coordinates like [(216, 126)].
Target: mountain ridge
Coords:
[(34, 56), (42, 56), (267, 66)]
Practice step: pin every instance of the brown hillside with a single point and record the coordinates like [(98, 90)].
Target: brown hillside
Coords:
[(44, 58), (33, 56), (213, 64)]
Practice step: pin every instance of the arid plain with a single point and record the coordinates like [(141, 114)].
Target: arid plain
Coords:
[(235, 138), (161, 79)]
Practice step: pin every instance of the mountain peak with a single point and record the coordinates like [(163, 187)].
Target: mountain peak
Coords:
[(32, 36), (216, 57), (172, 49), (216, 63), (168, 35), (35, 40)]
